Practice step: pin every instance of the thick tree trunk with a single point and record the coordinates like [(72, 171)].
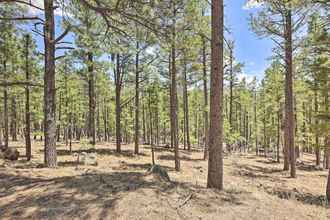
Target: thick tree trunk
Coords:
[(137, 102), (215, 164), (205, 112), (49, 86), (289, 108), (27, 102)]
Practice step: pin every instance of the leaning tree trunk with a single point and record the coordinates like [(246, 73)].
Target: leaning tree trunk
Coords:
[(215, 165), (49, 87), (289, 112)]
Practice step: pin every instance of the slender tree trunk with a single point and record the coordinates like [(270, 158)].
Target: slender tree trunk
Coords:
[(49, 86), (58, 129), (27, 101), (13, 124), (92, 98), (137, 102), (255, 121), (6, 116), (278, 135), (105, 120), (186, 107), (289, 108), (118, 107), (151, 129), (174, 98), (143, 124), (215, 165), (205, 111), (317, 146)]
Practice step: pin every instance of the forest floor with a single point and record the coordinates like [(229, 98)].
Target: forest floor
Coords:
[(120, 188)]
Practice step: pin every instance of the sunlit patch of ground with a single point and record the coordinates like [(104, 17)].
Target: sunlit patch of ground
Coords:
[(120, 188)]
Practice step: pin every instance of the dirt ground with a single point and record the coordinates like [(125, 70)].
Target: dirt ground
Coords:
[(119, 187)]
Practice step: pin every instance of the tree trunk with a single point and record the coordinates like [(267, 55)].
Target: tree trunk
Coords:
[(151, 129), (27, 102), (143, 124), (186, 107), (255, 121), (118, 107), (137, 102), (215, 164), (174, 98), (49, 86), (278, 135), (92, 98), (13, 124), (289, 109), (205, 111)]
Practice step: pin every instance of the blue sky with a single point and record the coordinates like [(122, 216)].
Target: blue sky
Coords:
[(249, 49)]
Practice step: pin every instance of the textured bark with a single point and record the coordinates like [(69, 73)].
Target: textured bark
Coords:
[(151, 129), (13, 122), (255, 121), (289, 108), (173, 97), (206, 101), (215, 164), (6, 116), (143, 124), (92, 98), (186, 108), (49, 87), (231, 86), (278, 136), (317, 147), (118, 107), (137, 102), (27, 101)]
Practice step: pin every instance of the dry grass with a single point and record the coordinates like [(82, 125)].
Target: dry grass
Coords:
[(120, 188)]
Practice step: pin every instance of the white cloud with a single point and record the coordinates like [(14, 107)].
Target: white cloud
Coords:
[(40, 4), (252, 4), (248, 78)]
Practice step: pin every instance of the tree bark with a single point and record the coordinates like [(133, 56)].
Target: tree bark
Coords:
[(289, 108), (27, 101), (92, 98), (205, 111), (186, 107), (137, 101), (13, 124), (174, 98), (49, 86), (118, 107), (215, 164)]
